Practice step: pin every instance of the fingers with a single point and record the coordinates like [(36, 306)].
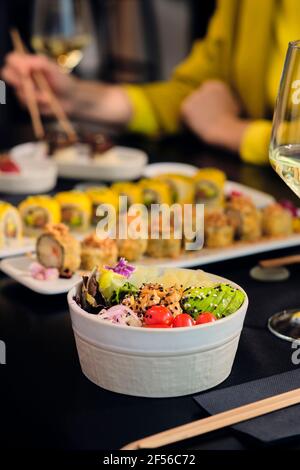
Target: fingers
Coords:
[(26, 64)]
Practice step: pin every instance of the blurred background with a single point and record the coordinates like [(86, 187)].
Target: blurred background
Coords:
[(124, 40)]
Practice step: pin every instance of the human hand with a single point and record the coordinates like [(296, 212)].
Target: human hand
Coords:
[(18, 66), (212, 112)]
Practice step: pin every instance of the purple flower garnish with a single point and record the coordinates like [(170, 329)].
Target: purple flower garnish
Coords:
[(122, 268)]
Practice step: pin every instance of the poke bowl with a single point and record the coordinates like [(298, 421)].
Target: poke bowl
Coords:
[(129, 357)]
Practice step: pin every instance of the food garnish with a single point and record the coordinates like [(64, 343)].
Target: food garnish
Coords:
[(118, 295)]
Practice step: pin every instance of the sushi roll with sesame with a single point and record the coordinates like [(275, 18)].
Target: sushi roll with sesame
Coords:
[(155, 192), (218, 233), (38, 211), (244, 217), (277, 221), (57, 248), (101, 195), (10, 224), (209, 187), (76, 209), (99, 252), (182, 188)]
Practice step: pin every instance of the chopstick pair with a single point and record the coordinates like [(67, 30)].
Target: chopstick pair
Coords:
[(218, 421), (41, 81)]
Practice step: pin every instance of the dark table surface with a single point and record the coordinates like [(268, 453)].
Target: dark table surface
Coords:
[(47, 403)]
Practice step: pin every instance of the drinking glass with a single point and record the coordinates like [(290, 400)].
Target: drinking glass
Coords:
[(62, 30), (285, 160)]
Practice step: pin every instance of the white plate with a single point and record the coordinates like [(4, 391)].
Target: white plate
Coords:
[(118, 163), (26, 245), (18, 269), (213, 255), (259, 198)]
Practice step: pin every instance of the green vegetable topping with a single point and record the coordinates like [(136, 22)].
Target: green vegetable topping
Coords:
[(221, 300)]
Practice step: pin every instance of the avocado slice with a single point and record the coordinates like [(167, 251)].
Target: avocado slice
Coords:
[(221, 300)]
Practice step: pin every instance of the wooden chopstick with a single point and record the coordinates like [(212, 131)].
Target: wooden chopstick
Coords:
[(43, 84), (218, 421), (277, 262), (29, 92)]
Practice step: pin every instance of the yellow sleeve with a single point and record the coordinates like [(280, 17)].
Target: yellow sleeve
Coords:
[(255, 143), (156, 106)]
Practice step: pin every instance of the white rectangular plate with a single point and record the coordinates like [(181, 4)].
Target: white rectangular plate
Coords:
[(18, 269), (26, 245), (213, 255)]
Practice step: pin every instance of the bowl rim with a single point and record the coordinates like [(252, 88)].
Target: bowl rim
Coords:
[(79, 310)]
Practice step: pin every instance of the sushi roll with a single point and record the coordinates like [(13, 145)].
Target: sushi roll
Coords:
[(101, 195), (217, 229), (57, 248), (244, 217), (209, 187), (131, 190), (182, 188), (96, 251), (131, 248), (155, 192), (168, 246), (38, 211), (10, 224), (76, 209), (276, 221)]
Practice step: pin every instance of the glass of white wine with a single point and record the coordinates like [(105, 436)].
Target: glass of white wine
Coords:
[(62, 30), (285, 160)]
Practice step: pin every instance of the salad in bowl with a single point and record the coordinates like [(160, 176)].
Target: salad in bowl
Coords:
[(122, 295), (156, 332)]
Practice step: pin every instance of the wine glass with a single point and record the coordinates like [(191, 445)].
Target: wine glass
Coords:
[(61, 30), (285, 160)]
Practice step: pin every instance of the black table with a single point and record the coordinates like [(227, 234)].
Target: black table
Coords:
[(47, 403)]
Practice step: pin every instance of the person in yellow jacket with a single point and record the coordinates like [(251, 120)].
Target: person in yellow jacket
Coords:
[(224, 91)]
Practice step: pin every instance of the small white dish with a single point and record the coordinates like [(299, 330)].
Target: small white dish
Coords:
[(162, 168), (18, 268), (37, 174), (15, 248)]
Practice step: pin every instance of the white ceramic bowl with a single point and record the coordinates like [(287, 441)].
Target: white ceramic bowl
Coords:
[(156, 363)]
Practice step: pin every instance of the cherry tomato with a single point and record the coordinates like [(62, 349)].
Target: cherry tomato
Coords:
[(158, 315), (205, 317), (183, 320), (162, 325)]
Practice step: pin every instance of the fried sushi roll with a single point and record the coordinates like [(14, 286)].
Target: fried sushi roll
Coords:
[(96, 251), (130, 248), (38, 211), (101, 195), (182, 188), (130, 190), (155, 192), (10, 224), (218, 233), (244, 217), (276, 221), (57, 248), (209, 187), (76, 209), (164, 248)]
